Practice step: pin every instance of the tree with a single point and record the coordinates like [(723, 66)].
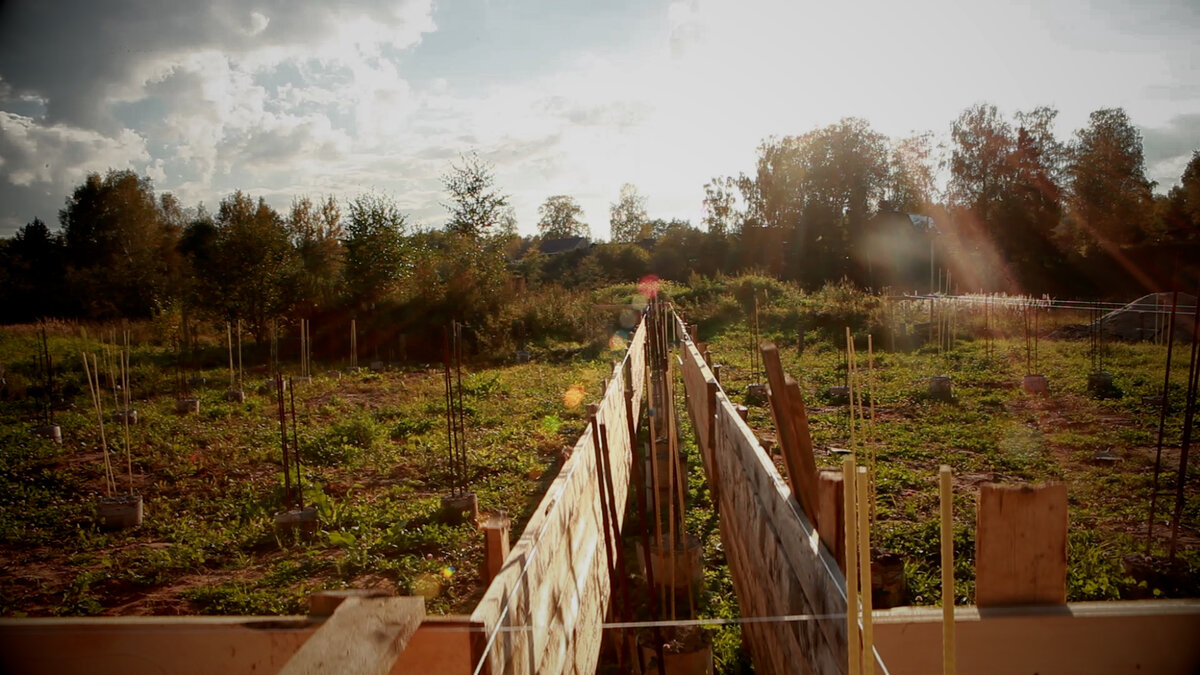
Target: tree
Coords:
[(817, 191), (119, 248), (316, 231), (476, 205), (255, 266), (979, 161), (1110, 196), (1032, 207), (720, 205), (910, 182), (627, 216), (561, 216), (1189, 187), (31, 274), (377, 253)]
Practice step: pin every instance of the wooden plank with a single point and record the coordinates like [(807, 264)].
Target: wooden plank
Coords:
[(804, 446), (363, 637), (554, 584), (1120, 636), (1021, 545), (830, 509), (797, 452), (786, 551)]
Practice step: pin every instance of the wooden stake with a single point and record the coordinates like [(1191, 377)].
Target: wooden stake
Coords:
[(241, 373), (639, 483), (947, 509), (110, 484), (862, 480), (671, 476), (656, 505), (853, 648), (128, 411), (871, 396), (229, 342), (850, 388)]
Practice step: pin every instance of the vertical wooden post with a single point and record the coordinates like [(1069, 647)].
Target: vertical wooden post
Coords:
[(830, 523), (229, 341), (714, 466), (862, 482), (1021, 545), (947, 508), (853, 654), (495, 545)]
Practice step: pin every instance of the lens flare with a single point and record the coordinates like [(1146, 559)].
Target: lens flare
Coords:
[(649, 286), (574, 396), (447, 571), (428, 586)]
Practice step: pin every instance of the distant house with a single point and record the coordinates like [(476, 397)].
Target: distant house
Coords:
[(897, 249), (564, 245)]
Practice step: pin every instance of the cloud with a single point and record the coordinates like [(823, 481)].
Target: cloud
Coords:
[(36, 161), (79, 55), (1168, 148), (214, 91)]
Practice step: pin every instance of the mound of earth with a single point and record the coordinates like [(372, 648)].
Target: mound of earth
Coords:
[(1146, 318)]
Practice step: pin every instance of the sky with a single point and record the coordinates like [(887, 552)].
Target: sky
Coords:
[(312, 97)]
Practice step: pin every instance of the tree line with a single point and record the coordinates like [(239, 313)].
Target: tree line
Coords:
[(1022, 210)]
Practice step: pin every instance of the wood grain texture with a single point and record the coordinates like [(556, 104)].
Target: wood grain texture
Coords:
[(554, 586), (831, 511), (1021, 545), (777, 562), (791, 426), (364, 636)]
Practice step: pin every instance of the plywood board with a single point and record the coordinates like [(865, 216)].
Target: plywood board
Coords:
[(1021, 545), (363, 637)]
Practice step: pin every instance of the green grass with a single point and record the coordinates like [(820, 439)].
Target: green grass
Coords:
[(992, 430), (374, 463)]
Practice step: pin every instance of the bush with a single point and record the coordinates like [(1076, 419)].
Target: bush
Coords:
[(344, 441)]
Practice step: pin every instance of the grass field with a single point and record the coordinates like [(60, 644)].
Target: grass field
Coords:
[(994, 431), (375, 465)]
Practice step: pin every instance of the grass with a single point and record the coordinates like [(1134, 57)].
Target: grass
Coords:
[(374, 452), (993, 431)]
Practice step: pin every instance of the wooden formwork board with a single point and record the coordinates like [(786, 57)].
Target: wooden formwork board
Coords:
[(1021, 545), (363, 637), (199, 645), (543, 613), (778, 563)]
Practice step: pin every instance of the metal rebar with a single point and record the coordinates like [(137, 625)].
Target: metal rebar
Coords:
[(283, 441), (1162, 420), (296, 447), (1186, 441), (462, 425)]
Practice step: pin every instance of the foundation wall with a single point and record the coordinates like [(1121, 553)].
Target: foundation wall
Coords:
[(1133, 636), (202, 645), (544, 610), (777, 561)]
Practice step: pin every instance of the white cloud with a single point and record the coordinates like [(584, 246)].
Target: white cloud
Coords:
[(35, 155), (319, 98)]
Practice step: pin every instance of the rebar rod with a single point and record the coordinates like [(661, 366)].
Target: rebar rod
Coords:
[(1162, 420), (462, 425), (296, 447), (283, 441), (1186, 441)]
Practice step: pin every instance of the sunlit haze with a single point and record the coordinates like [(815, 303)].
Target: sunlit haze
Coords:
[(571, 98)]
